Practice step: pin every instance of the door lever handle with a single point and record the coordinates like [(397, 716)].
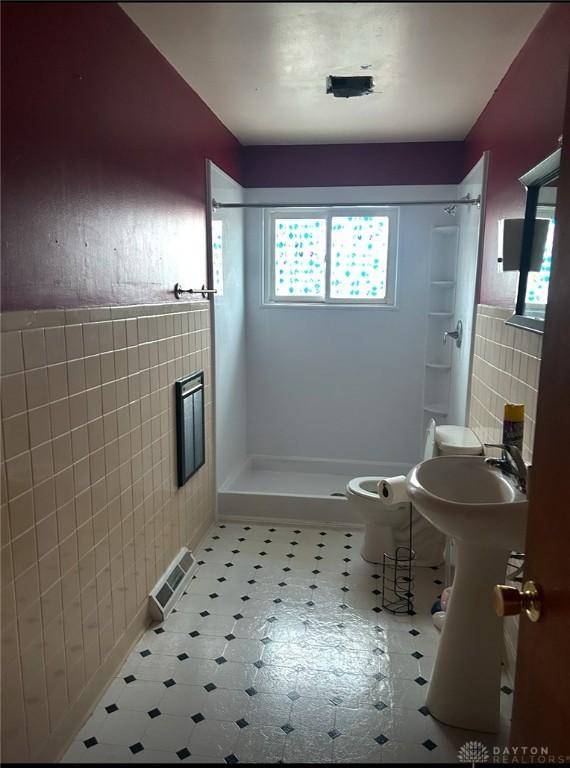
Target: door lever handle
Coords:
[(457, 334)]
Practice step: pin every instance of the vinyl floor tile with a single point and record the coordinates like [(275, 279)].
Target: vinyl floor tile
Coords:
[(280, 651)]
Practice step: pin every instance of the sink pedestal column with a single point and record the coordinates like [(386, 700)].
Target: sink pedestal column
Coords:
[(465, 687)]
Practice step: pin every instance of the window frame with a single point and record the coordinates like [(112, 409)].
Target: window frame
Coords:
[(270, 298)]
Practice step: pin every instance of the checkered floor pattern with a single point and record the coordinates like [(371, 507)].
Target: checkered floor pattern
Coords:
[(280, 651)]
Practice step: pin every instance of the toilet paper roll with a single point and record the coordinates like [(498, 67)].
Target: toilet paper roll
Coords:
[(392, 490)]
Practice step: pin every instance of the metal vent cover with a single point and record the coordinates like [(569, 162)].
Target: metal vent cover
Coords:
[(186, 562), (167, 591), (345, 87)]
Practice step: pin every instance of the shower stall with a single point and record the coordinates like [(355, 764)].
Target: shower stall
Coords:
[(308, 397)]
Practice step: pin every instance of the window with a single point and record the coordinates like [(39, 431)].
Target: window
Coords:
[(537, 282), (331, 256), (218, 255)]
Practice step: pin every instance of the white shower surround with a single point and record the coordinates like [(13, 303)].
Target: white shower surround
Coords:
[(339, 382), (228, 329), (297, 489), (299, 438)]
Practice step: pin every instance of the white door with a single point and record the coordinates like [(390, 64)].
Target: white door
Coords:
[(471, 223)]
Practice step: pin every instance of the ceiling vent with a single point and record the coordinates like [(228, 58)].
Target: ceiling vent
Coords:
[(345, 87)]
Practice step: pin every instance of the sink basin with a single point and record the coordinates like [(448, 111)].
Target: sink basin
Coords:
[(466, 498), (486, 515)]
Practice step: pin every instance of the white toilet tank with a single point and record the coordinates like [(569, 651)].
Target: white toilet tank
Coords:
[(457, 441), (429, 447), (449, 439)]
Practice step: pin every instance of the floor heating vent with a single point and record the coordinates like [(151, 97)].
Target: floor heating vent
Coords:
[(164, 596)]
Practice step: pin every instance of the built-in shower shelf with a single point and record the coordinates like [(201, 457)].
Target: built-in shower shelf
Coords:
[(447, 229), (440, 314), (436, 408)]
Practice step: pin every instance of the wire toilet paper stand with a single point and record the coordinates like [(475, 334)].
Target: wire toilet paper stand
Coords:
[(398, 577)]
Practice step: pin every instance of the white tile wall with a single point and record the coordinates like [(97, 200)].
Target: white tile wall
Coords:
[(91, 511), (506, 366)]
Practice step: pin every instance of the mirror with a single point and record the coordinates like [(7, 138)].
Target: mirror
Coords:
[(536, 241)]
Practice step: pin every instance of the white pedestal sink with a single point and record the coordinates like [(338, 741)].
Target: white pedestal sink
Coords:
[(465, 498)]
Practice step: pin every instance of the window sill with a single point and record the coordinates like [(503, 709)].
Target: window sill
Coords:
[(317, 305)]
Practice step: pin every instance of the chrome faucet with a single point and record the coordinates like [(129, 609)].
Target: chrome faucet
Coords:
[(511, 463)]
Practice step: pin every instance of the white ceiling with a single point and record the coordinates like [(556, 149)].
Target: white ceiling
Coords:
[(261, 67)]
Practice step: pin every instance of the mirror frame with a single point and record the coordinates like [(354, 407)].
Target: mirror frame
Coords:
[(533, 180)]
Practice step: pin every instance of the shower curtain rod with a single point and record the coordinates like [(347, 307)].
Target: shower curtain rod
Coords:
[(467, 200)]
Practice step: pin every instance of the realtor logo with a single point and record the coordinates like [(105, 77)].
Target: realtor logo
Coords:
[(473, 752)]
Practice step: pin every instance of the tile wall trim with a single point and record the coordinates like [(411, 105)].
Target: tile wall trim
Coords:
[(18, 320)]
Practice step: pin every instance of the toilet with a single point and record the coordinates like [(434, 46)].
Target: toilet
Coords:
[(388, 527)]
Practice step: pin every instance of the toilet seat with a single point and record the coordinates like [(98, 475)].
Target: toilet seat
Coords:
[(382, 521), (388, 526), (365, 487)]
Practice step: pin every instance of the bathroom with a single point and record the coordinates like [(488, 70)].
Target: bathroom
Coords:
[(148, 146)]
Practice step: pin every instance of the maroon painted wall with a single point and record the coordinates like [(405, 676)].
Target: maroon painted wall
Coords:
[(520, 126), (329, 165), (103, 161), (104, 148)]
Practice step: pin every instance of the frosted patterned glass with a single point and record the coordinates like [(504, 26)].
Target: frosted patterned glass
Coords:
[(218, 255), (300, 247), (537, 283), (359, 257)]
